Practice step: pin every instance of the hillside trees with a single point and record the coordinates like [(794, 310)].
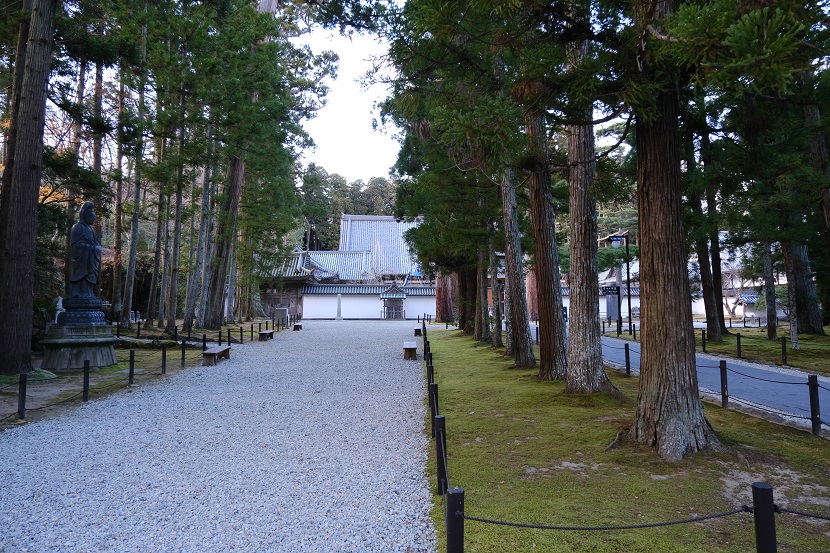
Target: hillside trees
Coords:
[(324, 197), (652, 52), (460, 110), (173, 119), (755, 137), (229, 98)]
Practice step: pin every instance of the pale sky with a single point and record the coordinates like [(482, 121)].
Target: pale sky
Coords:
[(346, 142)]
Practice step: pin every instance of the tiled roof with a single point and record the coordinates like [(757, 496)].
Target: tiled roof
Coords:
[(364, 289), (394, 292), (352, 265), (291, 267), (383, 237)]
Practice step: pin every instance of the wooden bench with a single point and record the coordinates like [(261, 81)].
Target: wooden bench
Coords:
[(265, 335), (298, 326), (212, 355), (410, 350), (417, 331)]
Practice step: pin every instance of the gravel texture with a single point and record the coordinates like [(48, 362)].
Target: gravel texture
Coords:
[(313, 441)]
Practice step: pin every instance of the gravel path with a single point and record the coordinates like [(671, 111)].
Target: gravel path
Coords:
[(311, 442)]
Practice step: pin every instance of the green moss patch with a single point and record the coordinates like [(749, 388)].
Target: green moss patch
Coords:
[(524, 451)]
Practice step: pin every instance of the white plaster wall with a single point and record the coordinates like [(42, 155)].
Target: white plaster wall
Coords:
[(699, 310), (418, 306), (362, 307), (319, 307)]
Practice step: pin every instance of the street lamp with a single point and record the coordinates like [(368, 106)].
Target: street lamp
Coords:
[(616, 243)]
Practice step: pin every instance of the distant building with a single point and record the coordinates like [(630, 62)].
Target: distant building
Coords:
[(372, 275)]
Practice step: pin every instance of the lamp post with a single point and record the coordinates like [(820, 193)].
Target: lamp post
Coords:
[(616, 242)]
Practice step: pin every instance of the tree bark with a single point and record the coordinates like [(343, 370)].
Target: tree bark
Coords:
[(118, 244), (586, 372), (161, 221), (552, 354), (820, 161), (173, 290), (164, 277), (516, 294), (701, 244), (445, 292), (495, 332), (225, 232), (482, 307), (669, 413), (466, 300), (713, 217), (129, 285), (769, 292), (800, 279), (21, 185), (231, 297), (208, 253), (193, 285), (792, 296), (27, 9), (509, 343), (223, 248)]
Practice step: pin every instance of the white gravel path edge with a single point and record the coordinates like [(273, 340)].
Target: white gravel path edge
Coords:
[(311, 442)]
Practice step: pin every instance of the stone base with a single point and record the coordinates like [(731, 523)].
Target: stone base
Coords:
[(81, 312), (67, 347)]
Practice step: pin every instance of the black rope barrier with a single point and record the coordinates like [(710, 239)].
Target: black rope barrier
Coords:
[(707, 366), (612, 347), (766, 380), (800, 513), (31, 381), (762, 408), (79, 395), (104, 385), (824, 388), (101, 386), (743, 509)]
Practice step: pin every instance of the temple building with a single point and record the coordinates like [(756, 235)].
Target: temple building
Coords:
[(372, 275)]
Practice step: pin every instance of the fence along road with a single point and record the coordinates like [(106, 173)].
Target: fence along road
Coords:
[(781, 391)]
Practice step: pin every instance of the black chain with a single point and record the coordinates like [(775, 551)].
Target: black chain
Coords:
[(760, 408), (743, 509), (765, 380), (800, 513)]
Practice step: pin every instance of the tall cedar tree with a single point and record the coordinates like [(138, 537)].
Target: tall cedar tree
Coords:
[(669, 413), (21, 185)]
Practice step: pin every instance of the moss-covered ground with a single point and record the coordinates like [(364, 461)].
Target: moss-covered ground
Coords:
[(524, 451)]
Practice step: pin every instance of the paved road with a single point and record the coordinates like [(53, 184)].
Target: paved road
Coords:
[(781, 390)]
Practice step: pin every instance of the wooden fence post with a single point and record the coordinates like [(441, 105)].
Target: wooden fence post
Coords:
[(764, 514)]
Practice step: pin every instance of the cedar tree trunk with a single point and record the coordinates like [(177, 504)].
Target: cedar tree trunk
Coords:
[(552, 355), (19, 196), (516, 296), (669, 413)]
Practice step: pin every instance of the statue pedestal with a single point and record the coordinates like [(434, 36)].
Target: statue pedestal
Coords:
[(80, 334)]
